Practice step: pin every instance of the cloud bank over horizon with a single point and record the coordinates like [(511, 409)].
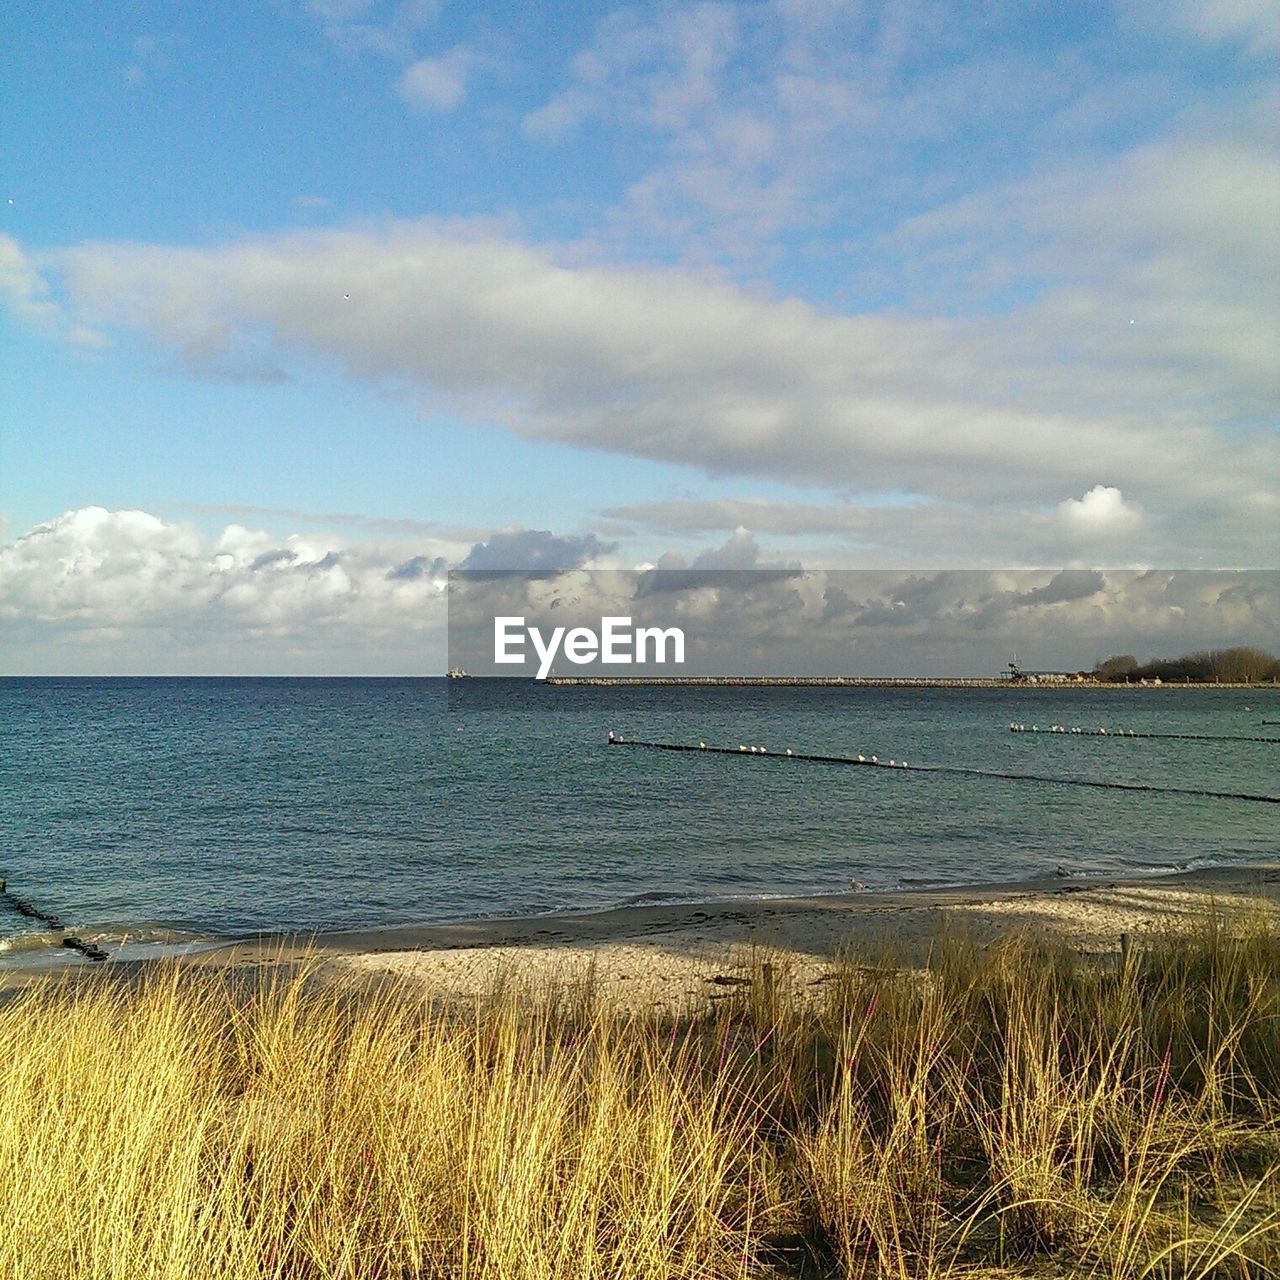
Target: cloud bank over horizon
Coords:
[(125, 592)]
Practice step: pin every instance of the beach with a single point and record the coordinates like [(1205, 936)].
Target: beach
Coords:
[(674, 957)]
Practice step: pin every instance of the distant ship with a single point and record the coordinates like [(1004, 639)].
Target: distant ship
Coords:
[(456, 673)]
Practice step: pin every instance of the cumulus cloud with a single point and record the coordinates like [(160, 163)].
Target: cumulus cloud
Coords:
[(1101, 512), (536, 550), (1094, 328), (167, 597), (437, 84)]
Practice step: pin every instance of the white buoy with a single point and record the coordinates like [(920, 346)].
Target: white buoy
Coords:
[(702, 745), (788, 751), (875, 759), (861, 758)]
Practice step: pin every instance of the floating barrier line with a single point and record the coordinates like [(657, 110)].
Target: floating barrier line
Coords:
[(1059, 731), (24, 908), (758, 753)]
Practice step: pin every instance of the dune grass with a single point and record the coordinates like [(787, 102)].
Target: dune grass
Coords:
[(1006, 1111)]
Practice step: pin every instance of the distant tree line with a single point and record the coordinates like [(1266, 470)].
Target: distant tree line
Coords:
[(1230, 666)]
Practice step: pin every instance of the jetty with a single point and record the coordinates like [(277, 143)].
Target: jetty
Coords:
[(886, 682), (803, 682)]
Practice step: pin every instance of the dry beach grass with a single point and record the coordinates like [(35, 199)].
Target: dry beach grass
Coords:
[(1005, 1108)]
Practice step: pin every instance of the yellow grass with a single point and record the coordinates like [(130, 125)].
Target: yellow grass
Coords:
[(1004, 1112)]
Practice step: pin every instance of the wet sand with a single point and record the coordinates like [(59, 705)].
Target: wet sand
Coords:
[(675, 956), (672, 956)]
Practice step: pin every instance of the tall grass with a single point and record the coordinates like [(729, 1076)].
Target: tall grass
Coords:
[(998, 1112)]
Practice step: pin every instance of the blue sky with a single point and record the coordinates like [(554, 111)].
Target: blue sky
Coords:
[(925, 283)]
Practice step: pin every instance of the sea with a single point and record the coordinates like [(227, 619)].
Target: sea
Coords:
[(161, 814)]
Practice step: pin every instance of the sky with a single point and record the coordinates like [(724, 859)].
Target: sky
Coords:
[(305, 302)]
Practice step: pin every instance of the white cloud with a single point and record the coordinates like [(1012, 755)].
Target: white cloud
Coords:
[(171, 598), (670, 366), (373, 26), (662, 73), (755, 120), (1252, 24), (1100, 528), (438, 84), (26, 292), (1101, 512), (22, 286), (534, 549)]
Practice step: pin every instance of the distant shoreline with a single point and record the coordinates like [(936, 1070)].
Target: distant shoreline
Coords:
[(895, 682)]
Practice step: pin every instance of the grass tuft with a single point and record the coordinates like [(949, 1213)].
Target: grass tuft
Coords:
[(1004, 1111)]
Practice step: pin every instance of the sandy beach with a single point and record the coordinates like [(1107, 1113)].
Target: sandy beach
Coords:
[(674, 956)]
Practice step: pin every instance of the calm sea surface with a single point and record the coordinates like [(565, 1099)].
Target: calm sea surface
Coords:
[(205, 808)]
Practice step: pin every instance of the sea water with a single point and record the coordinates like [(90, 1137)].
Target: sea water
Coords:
[(141, 811)]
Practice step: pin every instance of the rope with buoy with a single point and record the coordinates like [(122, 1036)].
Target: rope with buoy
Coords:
[(1060, 730), (874, 762)]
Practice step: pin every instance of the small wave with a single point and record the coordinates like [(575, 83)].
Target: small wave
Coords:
[(1176, 867), (24, 943), (45, 949), (654, 898), (695, 899)]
